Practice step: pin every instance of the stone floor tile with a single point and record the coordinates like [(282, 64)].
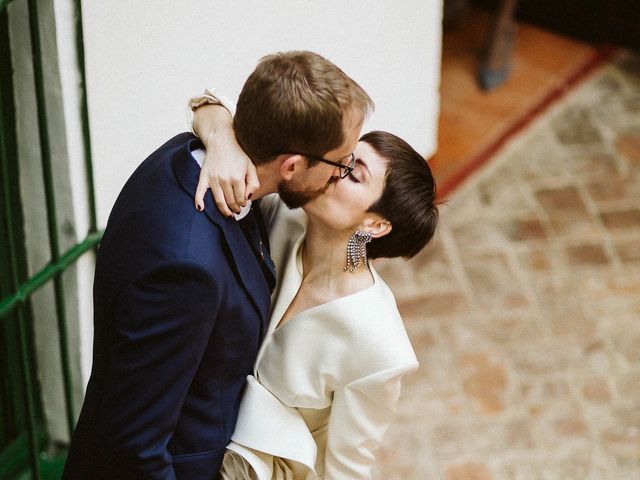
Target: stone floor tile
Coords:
[(433, 304), (498, 192), (429, 274), (537, 260), (468, 471), (628, 249), (479, 234), (523, 229), (591, 167), (537, 157), (597, 391), (628, 146), (485, 381), (495, 284), (399, 279), (574, 465), (624, 334), (502, 331), (538, 394), (406, 454), (622, 188), (575, 126), (628, 385), (616, 111), (545, 357), (438, 371), (566, 210), (622, 219), (632, 106), (586, 254), (565, 424), (464, 437), (622, 441)]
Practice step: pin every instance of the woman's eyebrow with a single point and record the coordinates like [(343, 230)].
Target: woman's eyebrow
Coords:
[(364, 164)]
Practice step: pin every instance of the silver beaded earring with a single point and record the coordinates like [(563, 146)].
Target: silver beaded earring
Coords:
[(357, 250)]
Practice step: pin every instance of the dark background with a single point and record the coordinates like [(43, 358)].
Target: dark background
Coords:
[(614, 22)]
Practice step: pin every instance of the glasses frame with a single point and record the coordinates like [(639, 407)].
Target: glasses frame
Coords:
[(345, 170)]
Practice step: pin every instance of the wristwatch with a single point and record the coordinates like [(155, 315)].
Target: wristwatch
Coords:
[(211, 97)]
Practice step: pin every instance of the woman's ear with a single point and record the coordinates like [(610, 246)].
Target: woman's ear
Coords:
[(378, 227), (289, 164)]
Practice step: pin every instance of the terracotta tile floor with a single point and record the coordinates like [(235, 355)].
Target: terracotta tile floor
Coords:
[(525, 311), (544, 63)]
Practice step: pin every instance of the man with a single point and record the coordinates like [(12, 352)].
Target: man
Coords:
[(181, 297)]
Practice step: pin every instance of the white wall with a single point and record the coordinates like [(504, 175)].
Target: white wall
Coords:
[(144, 59)]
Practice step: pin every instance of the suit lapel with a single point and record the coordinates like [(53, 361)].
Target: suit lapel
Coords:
[(242, 258), (289, 284), (289, 281)]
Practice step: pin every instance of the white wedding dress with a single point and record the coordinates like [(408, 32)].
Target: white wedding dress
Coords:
[(325, 383)]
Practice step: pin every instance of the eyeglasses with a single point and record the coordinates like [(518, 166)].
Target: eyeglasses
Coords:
[(345, 168)]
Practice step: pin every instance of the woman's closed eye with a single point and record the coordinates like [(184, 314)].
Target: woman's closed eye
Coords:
[(360, 172)]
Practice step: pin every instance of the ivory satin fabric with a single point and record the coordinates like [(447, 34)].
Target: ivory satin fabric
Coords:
[(326, 383)]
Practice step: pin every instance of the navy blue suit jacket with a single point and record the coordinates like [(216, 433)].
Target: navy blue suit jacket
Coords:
[(180, 306)]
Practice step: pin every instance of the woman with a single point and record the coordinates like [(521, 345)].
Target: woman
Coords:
[(327, 378)]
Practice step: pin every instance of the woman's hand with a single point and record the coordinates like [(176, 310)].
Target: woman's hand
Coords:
[(227, 170)]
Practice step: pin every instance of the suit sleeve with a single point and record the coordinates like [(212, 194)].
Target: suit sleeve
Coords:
[(360, 415), (163, 321)]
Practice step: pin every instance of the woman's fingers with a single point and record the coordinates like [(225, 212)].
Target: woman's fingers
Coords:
[(252, 181), (239, 186), (221, 203), (229, 196), (226, 169), (201, 191)]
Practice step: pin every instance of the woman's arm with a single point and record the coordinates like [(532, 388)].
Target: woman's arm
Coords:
[(360, 415), (226, 168)]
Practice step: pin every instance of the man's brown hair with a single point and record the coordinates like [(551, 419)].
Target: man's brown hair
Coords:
[(295, 102)]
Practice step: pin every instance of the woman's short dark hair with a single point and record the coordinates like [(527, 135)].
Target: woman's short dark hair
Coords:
[(407, 200)]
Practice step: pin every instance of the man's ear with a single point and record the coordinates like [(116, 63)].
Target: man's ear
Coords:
[(290, 164), (377, 226)]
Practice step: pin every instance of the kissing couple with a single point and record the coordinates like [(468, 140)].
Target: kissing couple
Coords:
[(245, 333)]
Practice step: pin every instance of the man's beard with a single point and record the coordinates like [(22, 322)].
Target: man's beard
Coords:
[(294, 198)]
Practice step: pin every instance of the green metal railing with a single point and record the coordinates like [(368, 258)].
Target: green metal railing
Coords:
[(15, 311)]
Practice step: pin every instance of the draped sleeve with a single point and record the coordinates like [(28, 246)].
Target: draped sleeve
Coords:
[(259, 450), (364, 402), (360, 415)]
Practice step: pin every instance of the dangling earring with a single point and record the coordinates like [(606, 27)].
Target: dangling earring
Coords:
[(357, 250)]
